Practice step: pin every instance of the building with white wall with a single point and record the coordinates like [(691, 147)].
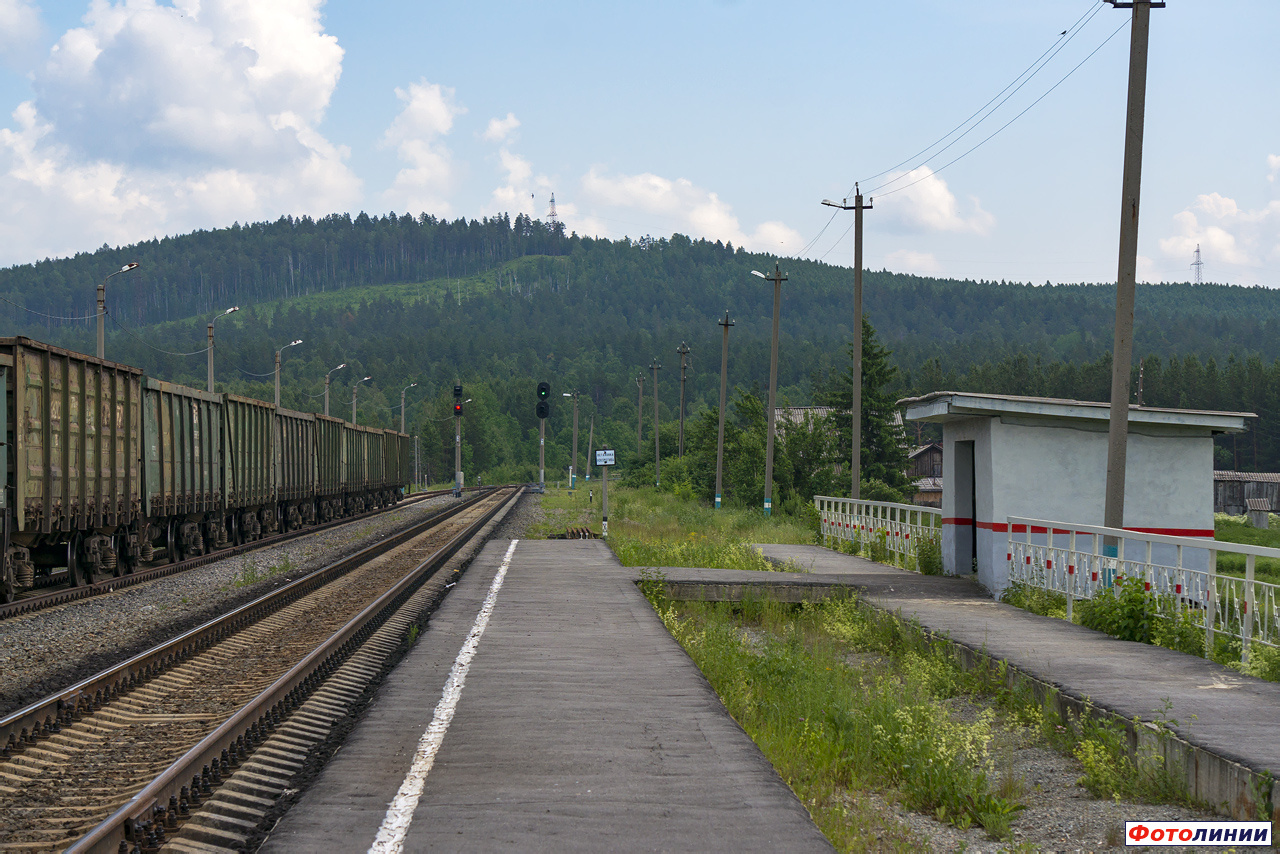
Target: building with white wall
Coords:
[(1042, 458)]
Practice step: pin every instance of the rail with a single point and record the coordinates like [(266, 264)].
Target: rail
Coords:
[(1181, 574), (248, 726), (879, 528)]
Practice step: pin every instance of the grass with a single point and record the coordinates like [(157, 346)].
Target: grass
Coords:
[(652, 528), (250, 574), (1236, 529), (847, 702)]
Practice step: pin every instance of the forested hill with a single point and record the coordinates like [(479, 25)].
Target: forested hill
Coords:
[(647, 283), (503, 303)]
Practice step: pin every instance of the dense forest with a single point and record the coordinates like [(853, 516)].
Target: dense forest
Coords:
[(500, 304)]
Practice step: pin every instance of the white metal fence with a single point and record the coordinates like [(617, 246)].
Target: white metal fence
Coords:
[(899, 528), (1182, 572)]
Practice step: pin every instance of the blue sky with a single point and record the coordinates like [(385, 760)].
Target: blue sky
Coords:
[(121, 121)]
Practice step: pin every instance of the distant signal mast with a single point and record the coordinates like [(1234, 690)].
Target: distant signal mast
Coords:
[(1198, 265), (551, 211)]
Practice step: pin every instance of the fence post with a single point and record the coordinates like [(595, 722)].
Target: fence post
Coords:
[(1210, 602), (1246, 625), (1073, 569)]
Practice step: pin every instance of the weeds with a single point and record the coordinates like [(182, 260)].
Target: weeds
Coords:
[(250, 574)]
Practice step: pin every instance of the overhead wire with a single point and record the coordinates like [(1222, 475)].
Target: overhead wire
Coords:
[(1011, 121), (133, 334), (45, 315), (1029, 73)]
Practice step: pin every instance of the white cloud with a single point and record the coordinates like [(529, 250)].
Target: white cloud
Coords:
[(689, 208), (424, 184), (1273, 163), (924, 203), (152, 119), (20, 31), (1227, 235), (908, 261), (499, 129)]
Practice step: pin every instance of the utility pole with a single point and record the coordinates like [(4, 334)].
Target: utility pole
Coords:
[(657, 448), (857, 207), (777, 278), (417, 461), (591, 438), (724, 388), (683, 350), (1126, 277), (640, 416)]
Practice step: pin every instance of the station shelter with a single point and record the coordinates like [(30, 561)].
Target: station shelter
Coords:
[(1044, 458)]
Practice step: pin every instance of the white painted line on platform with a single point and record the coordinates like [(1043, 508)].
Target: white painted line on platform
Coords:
[(395, 826)]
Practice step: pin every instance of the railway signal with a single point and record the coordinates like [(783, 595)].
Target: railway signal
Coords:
[(542, 410), (457, 440)]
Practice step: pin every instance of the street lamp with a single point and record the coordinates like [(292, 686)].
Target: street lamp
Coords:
[(326, 386), (278, 352), (402, 391), (353, 397), (777, 278), (573, 466), (102, 308), (211, 322)]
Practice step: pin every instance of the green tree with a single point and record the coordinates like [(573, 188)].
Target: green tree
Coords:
[(884, 450)]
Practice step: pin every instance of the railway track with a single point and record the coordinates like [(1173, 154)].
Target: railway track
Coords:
[(129, 758), (30, 603)]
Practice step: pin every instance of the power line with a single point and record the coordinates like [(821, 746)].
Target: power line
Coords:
[(84, 317), (1006, 124), (1062, 41), (133, 334)]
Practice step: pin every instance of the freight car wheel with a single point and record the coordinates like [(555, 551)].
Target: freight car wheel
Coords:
[(76, 574), (171, 541)]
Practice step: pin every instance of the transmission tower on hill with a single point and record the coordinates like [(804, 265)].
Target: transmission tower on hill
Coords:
[(1198, 265), (551, 211)]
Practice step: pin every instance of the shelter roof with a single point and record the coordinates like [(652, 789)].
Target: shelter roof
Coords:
[(943, 406)]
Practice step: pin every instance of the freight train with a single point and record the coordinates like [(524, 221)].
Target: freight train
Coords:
[(104, 468)]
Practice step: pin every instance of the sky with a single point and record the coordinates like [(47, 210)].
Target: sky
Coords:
[(725, 119)]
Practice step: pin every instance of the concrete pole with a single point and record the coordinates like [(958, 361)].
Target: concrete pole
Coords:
[(724, 389), (353, 397), (777, 278), (640, 416), (210, 336), (326, 394), (573, 465), (591, 438), (683, 350), (278, 381), (657, 448), (856, 403), (542, 453), (402, 391), (102, 308), (102, 311), (1122, 352), (457, 456)]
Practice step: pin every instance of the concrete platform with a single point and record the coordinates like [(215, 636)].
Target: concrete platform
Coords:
[(582, 725), (1228, 722)]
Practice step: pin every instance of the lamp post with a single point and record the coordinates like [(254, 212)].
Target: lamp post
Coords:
[(353, 397), (573, 465), (326, 386), (211, 322), (402, 391), (102, 308), (724, 385), (278, 352), (657, 449), (777, 278), (640, 415)]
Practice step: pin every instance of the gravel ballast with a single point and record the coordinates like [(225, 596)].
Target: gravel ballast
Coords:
[(47, 651)]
